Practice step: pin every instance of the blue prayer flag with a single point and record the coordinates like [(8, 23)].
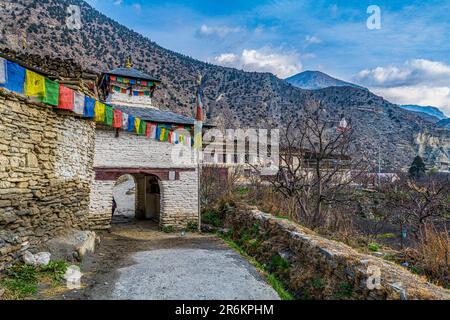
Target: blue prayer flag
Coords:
[(131, 123), (89, 107), (15, 77)]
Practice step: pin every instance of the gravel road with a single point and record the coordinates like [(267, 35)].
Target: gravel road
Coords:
[(136, 261)]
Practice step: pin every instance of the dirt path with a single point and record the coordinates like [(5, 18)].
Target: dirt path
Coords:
[(136, 261)]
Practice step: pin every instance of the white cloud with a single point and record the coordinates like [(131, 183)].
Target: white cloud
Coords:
[(226, 58), (382, 75), (220, 31), (421, 95), (312, 40), (415, 71), (417, 81), (282, 64), (117, 2)]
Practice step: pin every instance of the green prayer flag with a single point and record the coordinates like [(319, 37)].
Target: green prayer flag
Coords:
[(166, 134), (142, 127), (51, 95), (109, 115)]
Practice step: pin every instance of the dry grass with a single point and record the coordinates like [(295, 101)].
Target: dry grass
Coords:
[(431, 256)]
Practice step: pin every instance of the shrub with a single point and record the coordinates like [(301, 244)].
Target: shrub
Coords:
[(345, 290), (168, 229), (279, 266), (212, 217), (373, 246), (191, 226), (55, 270)]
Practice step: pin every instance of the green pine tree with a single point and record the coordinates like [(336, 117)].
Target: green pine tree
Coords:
[(417, 168)]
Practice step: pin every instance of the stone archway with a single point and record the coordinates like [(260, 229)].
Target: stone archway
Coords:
[(177, 195)]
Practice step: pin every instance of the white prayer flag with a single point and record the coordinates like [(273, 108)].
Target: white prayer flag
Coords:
[(124, 121), (2, 71), (78, 103)]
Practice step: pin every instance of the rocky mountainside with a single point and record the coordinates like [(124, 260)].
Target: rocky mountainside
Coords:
[(233, 97), (313, 80), (429, 110), (444, 123)]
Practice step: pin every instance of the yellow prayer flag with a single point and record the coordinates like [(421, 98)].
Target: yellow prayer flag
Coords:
[(99, 111), (162, 134), (137, 123), (34, 84), (198, 141)]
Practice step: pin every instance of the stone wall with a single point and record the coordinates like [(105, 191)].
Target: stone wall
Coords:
[(313, 267), (46, 160), (179, 200), (137, 155)]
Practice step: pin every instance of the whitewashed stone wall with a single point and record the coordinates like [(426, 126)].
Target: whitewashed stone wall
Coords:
[(100, 206), (179, 204), (127, 100), (132, 151), (179, 200)]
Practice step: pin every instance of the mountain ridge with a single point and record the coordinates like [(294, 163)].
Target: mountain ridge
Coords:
[(313, 80), (247, 99)]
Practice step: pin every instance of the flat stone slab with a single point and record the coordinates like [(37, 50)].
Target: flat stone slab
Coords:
[(191, 274)]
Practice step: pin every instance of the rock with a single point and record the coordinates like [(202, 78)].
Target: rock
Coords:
[(38, 259), (378, 254), (42, 258), (29, 258), (73, 246), (73, 277), (2, 292), (86, 244)]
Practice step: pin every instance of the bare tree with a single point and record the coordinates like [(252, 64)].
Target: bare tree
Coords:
[(412, 203), (317, 164), (213, 185)]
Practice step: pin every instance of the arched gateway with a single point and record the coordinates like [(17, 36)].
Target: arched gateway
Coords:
[(166, 190)]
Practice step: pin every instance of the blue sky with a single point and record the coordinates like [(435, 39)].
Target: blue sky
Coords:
[(407, 60)]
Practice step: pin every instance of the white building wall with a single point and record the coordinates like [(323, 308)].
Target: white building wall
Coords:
[(179, 200), (132, 151), (127, 100), (100, 206)]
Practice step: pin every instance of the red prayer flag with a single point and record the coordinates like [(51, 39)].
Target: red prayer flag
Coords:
[(117, 120), (66, 98), (144, 83), (148, 129), (170, 136), (113, 78)]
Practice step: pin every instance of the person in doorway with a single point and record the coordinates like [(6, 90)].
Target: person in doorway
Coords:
[(114, 206)]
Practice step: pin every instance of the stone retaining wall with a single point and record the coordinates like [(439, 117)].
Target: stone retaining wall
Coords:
[(319, 268), (46, 167)]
